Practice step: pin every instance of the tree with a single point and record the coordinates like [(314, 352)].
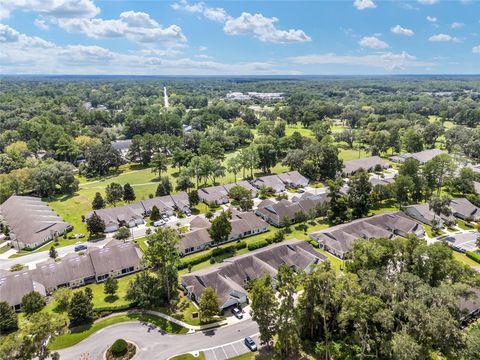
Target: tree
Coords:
[(80, 309), (250, 159), (32, 302), (403, 188), (62, 297), (264, 308), (145, 291), (95, 225), (98, 202), (163, 257), (440, 206), (128, 193), (437, 169), (411, 168), (267, 156), (164, 187), (220, 228), (159, 163), (431, 132), (114, 193), (208, 305), (412, 140), (183, 182), (242, 197), (100, 158), (234, 166), (122, 234), (155, 214), (111, 286), (464, 182), (8, 318), (52, 253), (359, 195), (337, 212), (193, 198)]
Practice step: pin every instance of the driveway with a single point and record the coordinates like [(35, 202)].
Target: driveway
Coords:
[(153, 344)]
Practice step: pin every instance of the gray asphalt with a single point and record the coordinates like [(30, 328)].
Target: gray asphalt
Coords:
[(153, 344)]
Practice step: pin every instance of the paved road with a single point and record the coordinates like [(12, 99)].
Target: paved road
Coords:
[(230, 350), (153, 344)]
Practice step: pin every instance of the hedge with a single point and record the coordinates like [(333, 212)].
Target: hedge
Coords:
[(474, 256), (232, 249), (257, 245)]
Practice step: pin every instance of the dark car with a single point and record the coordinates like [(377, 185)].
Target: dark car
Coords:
[(80, 247), (250, 343), (237, 312)]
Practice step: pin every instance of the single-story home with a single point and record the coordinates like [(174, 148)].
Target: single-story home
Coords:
[(469, 307), (217, 195), (15, 285), (243, 183), (293, 179), (463, 242), (421, 156), (270, 181), (122, 146), (422, 213), (368, 164), (339, 239), (31, 221), (128, 215), (229, 278), (465, 210)]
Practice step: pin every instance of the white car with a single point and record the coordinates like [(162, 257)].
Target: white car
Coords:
[(159, 223)]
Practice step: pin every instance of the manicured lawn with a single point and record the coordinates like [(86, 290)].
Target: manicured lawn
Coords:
[(4, 248), (463, 225), (100, 300), (76, 335), (464, 259), (352, 154), (246, 356), (298, 127), (142, 242), (200, 356)]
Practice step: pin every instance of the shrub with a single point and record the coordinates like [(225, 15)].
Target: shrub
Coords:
[(257, 245), (119, 347), (314, 244), (474, 256)]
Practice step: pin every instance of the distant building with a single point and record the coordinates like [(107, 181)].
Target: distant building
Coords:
[(238, 96), (31, 221), (422, 213), (421, 156), (13, 286), (368, 164), (122, 146), (469, 307)]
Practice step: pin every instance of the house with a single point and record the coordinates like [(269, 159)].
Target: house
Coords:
[(229, 278), (422, 156), (469, 307), (377, 181), (213, 195), (465, 210), (31, 221), (122, 146), (115, 259), (422, 213), (463, 242), (164, 204), (339, 239), (243, 183), (181, 202), (14, 286), (293, 179), (270, 181), (244, 224), (128, 215), (368, 164)]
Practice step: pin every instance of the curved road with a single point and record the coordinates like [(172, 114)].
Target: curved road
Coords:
[(153, 344)]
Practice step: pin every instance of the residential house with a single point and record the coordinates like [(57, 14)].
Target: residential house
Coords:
[(213, 195), (229, 278), (465, 210), (243, 183), (128, 215), (368, 164), (270, 181), (469, 307), (421, 156), (246, 224), (422, 213), (14, 286), (164, 204), (31, 221), (122, 147), (293, 179), (339, 239), (476, 186)]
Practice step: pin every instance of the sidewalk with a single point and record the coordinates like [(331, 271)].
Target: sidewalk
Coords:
[(184, 324)]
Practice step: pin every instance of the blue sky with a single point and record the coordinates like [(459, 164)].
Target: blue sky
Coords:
[(239, 37)]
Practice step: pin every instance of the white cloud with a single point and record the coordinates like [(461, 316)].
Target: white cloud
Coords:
[(41, 24), (10, 36), (427, 2), (364, 4), (432, 19), (215, 14), (443, 38), (456, 25), (202, 48), (134, 26), (373, 42), (389, 60), (401, 31), (54, 8), (263, 28), (476, 49)]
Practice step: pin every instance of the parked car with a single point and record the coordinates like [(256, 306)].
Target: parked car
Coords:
[(80, 247), (159, 223), (188, 213), (250, 344), (237, 312), (165, 217)]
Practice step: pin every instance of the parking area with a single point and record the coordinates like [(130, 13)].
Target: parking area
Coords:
[(229, 350)]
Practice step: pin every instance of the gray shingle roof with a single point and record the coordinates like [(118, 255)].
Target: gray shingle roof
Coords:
[(15, 285), (367, 164), (465, 208), (30, 219), (116, 257)]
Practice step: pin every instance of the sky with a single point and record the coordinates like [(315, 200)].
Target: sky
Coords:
[(346, 37)]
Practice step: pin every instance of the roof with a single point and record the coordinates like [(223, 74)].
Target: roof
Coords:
[(366, 164), (228, 278), (476, 185), (246, 221), (30, 219), (15, 285), (212, 193), (374, 181), (468, 304), (271, 181), (124, 213), (293, 178), (245, 184), (465, 208), (121, 144), (426, 155), (114, 257), (425, 212)]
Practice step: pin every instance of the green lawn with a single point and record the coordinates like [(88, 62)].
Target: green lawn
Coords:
[(246, 356), (463, 225), (100, 300), (352, 154), (200, 356), (76, 335), (464, 259), (4, 248)]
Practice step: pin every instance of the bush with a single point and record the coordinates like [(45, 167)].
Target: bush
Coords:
[(257, 245), (474, 256), (119, 347), (314, 244)]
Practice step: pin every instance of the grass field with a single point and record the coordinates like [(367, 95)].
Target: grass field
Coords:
[(76, 335), (200, 356), (464, 259)]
